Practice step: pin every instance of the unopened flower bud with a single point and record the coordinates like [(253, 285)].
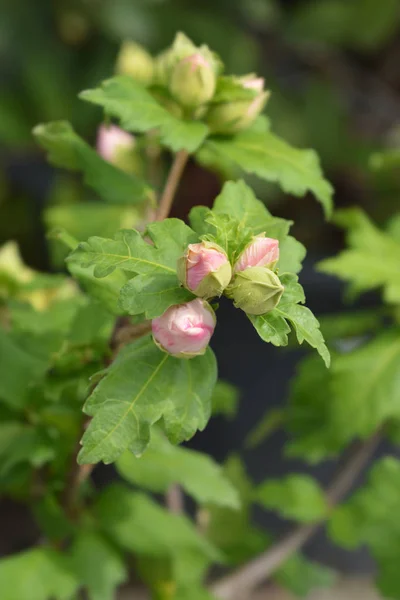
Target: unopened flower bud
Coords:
[(184, 330), (235, 115), (111, 140), (204, 269), (193, 81), (257, 290), (135, 61), (261, 252)]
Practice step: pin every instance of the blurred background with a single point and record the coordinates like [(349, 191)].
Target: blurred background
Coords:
[(333, 69)]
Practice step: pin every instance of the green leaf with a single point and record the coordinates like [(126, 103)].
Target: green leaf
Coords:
[(98, 566), (92, 324), (297, 497), (19, 368), (372, 259), (141, 526), (51, 518), (302, 576), (129, 251), (37, 574), (388, 159), (273, 327), (369, 518), (360, 393), (232, 530), (306, 326), (164, 464), (271, 158), (66, 149), (225, 399), (238, 200), (268, 424), (142, 386), (152, 295), (139, 111), (25, 444)]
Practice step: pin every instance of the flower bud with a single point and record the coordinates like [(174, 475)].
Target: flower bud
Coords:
[(261, 252), (204, 269), (184, 330), (117, 147), (135, 61), (234, 115), (193, 80), (257, 290)]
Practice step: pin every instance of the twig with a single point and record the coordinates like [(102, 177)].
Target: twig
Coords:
[(171, 185), (77, 474), (244, 580), (174, 499)]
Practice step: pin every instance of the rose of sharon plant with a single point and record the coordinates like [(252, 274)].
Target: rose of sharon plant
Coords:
[(185, 330), (130, 344)]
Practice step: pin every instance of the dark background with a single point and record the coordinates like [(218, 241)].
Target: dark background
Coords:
[(333, 68)]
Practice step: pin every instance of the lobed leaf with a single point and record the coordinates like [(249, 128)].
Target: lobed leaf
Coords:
[(130, 252), (139, 111), (142, 386), (271, 158)]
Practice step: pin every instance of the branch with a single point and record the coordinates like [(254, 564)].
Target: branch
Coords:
[(76, 475), (171, 185), (244, 580), (174, 499)]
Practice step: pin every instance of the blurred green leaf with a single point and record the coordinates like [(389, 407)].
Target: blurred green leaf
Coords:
[(367, 518), (145, 528), (37, 574), (225, 399), (372, 259), (268, 424), (67, 150), (98, 566), (164, 464), (297, 497), (302, 576)]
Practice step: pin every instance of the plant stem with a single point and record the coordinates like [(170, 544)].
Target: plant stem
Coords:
[(171, 185), (77, 474), (242, 582), (174, 499)]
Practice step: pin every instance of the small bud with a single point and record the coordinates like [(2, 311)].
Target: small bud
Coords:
[(117, 147), (193, 81), (235, 115), (135, 61), (184, 330), (261, 252), (257, 290), (204, 269)]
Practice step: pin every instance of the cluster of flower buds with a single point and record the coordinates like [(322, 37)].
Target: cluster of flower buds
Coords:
[(185, 330), (187, 80)]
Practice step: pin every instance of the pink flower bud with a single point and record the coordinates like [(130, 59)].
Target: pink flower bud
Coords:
[(261, 252), (204, 269), (184, 330), (111, 140), (254, 83)]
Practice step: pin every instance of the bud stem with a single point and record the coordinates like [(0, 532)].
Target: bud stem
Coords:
[(171, 185)]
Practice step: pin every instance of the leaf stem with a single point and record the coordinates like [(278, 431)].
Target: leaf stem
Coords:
[(171, 185), (242, 582)]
